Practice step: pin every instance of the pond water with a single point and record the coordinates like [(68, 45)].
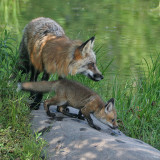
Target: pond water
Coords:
[(126, 30)]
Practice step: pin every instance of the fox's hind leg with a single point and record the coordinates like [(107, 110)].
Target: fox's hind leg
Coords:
[(65, 111), (80, 116), (38, 96), (56, 100), (33, 78), (61, 108)]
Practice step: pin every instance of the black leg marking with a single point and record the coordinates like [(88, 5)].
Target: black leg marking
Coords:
[(38, 96), (80, 116), (70, 114), (33, 78), (50, 114), (63, 109), (90, 122), (37, 101), (45, 76), (58, 108)]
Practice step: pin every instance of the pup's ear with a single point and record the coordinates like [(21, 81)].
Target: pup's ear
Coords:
[(87, 46), (110, 105)]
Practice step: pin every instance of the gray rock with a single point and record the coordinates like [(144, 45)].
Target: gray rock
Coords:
[(73, 139)]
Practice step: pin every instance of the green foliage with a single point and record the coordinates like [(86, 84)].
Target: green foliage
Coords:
[(138, 104), (127, 30), (16, 139), (137, 100), (9, 15)]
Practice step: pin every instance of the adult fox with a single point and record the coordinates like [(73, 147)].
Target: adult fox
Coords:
[(45, 48), (71, 93)]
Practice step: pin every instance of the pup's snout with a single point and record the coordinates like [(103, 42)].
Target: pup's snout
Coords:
[(114, 127)]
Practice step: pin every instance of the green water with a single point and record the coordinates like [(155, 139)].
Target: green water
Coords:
[(126, 30)]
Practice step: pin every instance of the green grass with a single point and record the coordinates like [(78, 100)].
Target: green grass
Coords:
[(137, 100), (16, 138), (137, 104)]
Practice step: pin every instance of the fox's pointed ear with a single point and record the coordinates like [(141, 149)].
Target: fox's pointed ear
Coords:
[(87, 46), (92, 41), (110, 105)]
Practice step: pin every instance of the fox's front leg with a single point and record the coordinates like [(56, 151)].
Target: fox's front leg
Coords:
[(86, 112)]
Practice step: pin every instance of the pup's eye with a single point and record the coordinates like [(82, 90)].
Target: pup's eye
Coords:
[(112, 120)]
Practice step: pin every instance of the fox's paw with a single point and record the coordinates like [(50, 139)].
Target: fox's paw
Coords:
[(81, 117), (50, 114), (58, 108), (97, 128)]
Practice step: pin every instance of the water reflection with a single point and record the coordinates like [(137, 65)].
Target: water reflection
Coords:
[(126, 30)]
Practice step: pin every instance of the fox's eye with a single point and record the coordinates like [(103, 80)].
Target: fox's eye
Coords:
[(112, 120), (91, 64)]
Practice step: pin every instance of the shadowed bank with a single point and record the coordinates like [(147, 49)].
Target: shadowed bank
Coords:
[(73, 139)]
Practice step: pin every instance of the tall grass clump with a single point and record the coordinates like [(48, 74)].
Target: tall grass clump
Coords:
[(138, 104), (16, 139), (137, 99)]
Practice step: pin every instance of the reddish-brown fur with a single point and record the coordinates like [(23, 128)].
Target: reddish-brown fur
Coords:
[(46, 48), (74, 94)]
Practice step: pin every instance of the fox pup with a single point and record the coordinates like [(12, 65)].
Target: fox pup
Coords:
[(74, 94), (45, 48)]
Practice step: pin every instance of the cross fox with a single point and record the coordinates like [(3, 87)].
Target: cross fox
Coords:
[(45, 48), (74, 94)]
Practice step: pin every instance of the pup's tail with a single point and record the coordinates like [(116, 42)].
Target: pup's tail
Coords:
[(42, 86)]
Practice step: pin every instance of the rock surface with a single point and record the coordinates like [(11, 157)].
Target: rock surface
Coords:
[(73, 139)]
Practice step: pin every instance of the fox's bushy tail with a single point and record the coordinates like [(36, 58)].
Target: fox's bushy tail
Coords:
[(42, 86)]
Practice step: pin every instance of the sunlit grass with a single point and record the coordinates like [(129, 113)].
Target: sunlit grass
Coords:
[(9, 10), (16, 138), (137, 100), (137, 104)]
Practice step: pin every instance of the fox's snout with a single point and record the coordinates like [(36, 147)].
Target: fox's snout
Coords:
[(97, 77), (94, 73)]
